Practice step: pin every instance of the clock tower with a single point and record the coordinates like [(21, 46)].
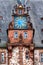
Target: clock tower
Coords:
[(20, 37)]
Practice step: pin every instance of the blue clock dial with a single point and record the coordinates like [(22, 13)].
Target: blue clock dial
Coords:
[(20, 23)]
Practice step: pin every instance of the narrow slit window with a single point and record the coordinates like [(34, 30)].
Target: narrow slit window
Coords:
[(2, 57), (20, 11)]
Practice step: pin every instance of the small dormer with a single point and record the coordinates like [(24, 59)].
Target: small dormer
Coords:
[(20, 10)]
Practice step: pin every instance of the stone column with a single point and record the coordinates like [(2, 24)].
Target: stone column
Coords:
[(9, 53), (32, 52)]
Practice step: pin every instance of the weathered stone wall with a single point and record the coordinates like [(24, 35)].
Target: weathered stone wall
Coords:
[(37, 57), (6, 56), (15, 57), (26, 61)]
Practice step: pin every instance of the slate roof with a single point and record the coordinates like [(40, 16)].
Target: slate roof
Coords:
[(36, 12)]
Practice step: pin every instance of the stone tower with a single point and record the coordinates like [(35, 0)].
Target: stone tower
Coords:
[(20, 37)]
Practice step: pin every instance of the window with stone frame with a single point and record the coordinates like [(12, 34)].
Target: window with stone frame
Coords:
[(20, 11), (41, 57), (25, 35), (27, 55), (2, 58), (15, 34)]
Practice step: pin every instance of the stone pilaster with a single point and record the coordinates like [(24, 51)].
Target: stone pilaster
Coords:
[(9, 53), (20, 55)]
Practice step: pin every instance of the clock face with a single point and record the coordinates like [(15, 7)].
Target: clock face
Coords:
[(20, 22)]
